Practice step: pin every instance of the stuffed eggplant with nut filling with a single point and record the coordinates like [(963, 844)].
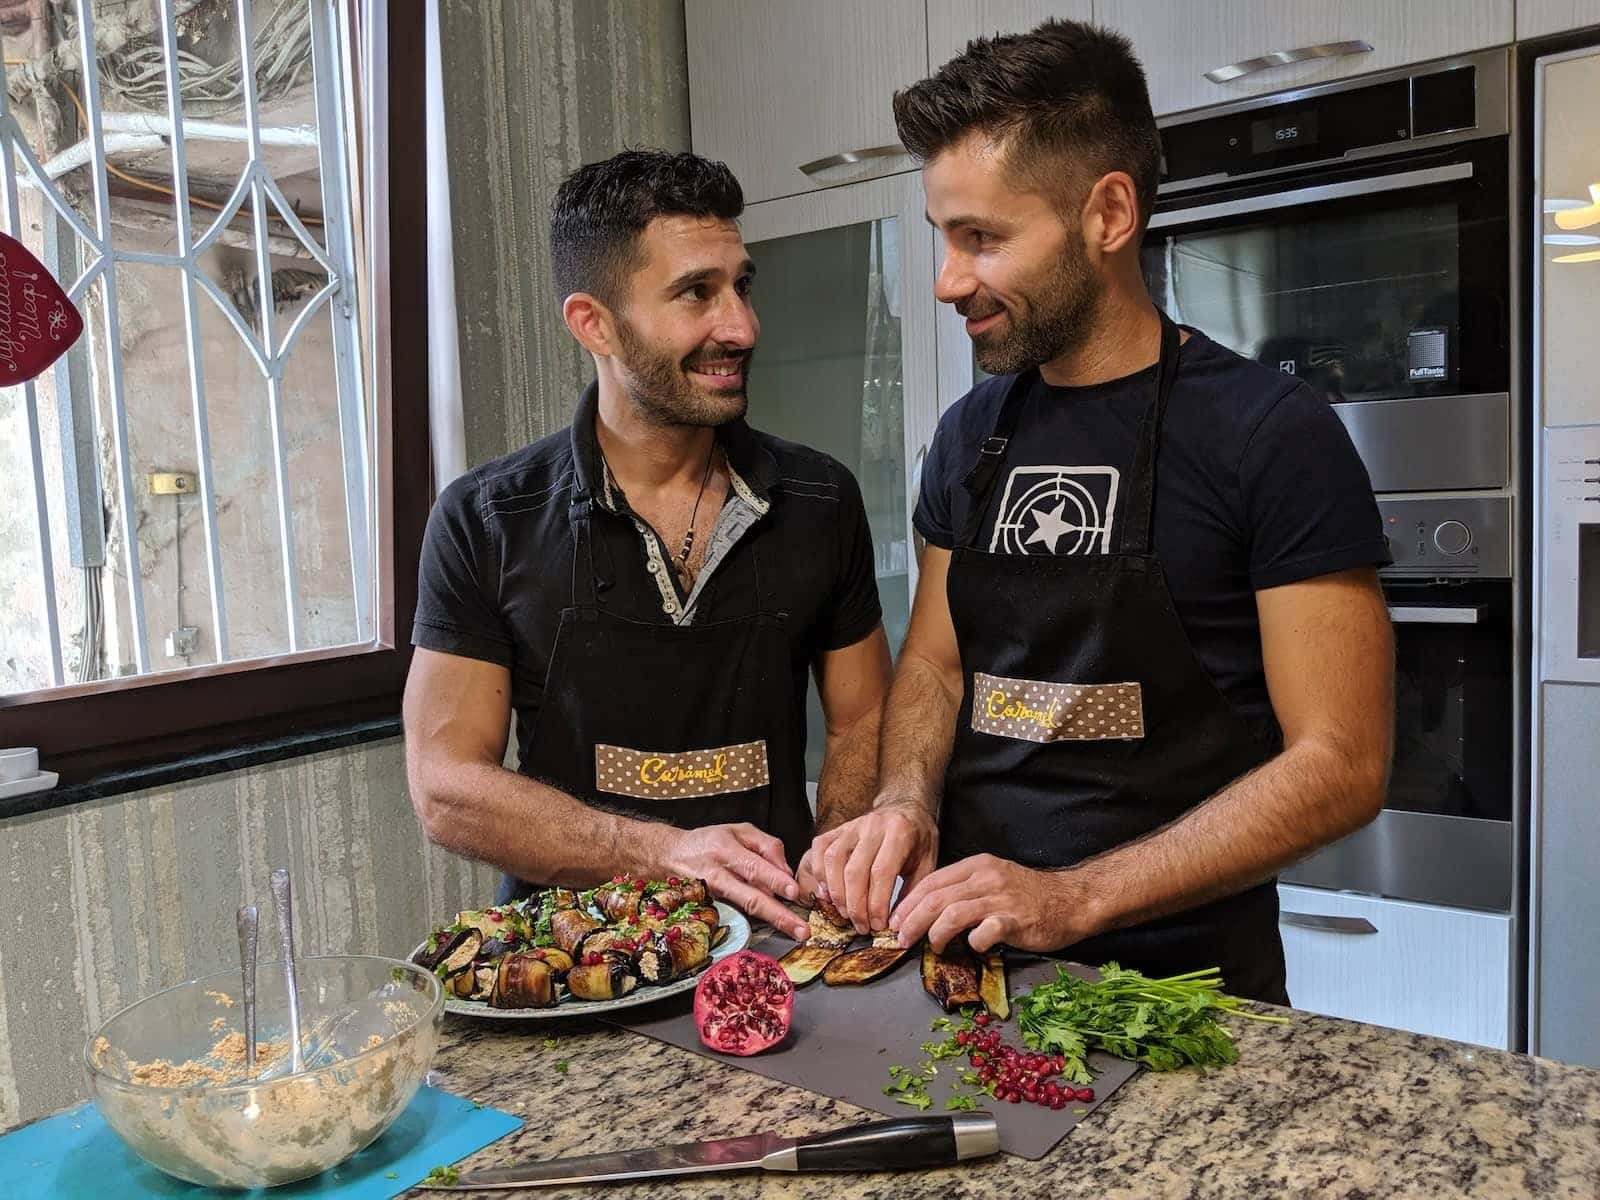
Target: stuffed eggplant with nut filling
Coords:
[(607, 976), (673, 953), (523, 981), (570, 926)]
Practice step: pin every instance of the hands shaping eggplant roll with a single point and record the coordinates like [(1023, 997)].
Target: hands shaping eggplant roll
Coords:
[(558, 943)]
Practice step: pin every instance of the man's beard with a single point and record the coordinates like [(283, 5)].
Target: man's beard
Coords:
[(664, 392), (1056, 319)]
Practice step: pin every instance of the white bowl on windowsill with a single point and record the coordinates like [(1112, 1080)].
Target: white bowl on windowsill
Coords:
[(39, 781)]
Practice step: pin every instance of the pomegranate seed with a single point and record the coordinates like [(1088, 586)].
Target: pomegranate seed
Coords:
[(961, 1038), (1083, 1095), (981, 1019), (638, 885), (1058, 1102), (1013, 1097), (673, 881), (978, 1057), (592, 959), (496, 916)]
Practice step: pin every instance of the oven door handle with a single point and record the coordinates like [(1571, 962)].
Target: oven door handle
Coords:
[(1327, 924), (1447, 614), (1399, 181)]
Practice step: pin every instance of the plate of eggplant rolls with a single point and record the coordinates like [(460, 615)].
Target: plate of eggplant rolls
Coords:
[(562, 952)]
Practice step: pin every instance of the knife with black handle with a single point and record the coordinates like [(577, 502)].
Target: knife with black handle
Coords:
[(909, 1144)]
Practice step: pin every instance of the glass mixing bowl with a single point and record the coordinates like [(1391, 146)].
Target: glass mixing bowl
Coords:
[(168, 1073)]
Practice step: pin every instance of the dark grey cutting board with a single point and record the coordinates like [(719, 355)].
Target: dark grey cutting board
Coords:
[(844, 1040)]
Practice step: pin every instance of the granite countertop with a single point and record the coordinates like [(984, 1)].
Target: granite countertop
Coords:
[(1318, 1107)]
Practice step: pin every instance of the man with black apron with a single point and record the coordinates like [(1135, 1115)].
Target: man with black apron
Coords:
[(1149, 663), (649, 590)]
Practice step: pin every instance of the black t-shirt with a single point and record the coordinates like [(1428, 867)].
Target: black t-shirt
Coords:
[(497, 561), (1257, 485)]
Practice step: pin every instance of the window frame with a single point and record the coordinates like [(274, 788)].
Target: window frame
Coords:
[(93, 732)]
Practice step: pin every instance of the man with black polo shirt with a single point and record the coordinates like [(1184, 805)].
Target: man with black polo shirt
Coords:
[(649, 589), (1149, 663)]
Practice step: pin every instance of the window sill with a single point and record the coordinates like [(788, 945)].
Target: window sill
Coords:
[(197, 766)]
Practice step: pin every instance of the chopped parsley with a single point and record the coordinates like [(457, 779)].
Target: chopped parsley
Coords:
[(562, 1066), (441, 1175)]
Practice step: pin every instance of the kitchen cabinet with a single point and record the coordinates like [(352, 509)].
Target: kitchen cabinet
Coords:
[(846, 363), (1421, 967), (1216, 33), (954, 23), (1536, 18), (775, 86)]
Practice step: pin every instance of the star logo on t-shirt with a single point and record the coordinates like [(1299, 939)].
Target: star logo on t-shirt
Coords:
[(1051, 527), (1056, 510)]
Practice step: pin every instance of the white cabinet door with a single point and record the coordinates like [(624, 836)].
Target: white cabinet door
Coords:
[(845, 362), (1217, 33), (775, 85), (954, 23), (1420, 967), (1535, 18)]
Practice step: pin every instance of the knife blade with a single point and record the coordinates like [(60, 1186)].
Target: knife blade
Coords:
[(907, 1144)]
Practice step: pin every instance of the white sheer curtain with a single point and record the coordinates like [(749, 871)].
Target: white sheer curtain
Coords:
[(445, 421)]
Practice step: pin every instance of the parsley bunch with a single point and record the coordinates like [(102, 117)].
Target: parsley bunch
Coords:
[(1162, 1023)]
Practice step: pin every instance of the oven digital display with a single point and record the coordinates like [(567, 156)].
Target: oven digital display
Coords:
[(1284, 132)]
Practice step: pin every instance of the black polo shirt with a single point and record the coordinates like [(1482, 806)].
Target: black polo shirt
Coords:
[(498, 557)]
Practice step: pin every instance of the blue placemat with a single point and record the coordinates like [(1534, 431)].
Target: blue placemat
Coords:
[(75, 1156)]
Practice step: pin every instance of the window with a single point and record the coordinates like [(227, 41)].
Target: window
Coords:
[(200, 540)]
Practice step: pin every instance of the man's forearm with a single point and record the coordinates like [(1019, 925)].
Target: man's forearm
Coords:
[(849, 772), (1307, 796), (529, 829), (919, 723)]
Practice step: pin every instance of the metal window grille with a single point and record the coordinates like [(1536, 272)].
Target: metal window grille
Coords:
[(269, 346)]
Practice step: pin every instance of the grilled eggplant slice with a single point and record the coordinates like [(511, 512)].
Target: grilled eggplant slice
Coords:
[(720, 936), (463, 952), (609, 979), (570, 926), (559, 960), (805, 962), (951, 978), (992, 984), (462, 984), (828, 926), (862, 966), (559, 898), (523, 981)]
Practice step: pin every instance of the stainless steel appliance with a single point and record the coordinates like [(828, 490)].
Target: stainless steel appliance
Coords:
[(1561, 82), (1357, 235)]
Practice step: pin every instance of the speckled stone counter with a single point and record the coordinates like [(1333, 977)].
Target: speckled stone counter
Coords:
[(1318, 1107)]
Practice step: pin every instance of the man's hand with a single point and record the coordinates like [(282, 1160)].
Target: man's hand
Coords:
[(743, 866), (998, 901), (855, 865)]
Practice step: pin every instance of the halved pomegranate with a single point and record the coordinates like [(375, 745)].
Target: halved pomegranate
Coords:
[(743, 1004)]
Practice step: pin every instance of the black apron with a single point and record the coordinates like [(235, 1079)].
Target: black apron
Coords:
[(1088, 722), (693, 724)]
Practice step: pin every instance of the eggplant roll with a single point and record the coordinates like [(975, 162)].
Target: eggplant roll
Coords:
[(559, 898), (455, 946), (672, 955), (951, 978), (523, 981), (618, 901), (609, 979), (829, 927), (570, 926), (607, 940)]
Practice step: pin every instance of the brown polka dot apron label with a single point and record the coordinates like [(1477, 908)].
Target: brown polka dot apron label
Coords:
[(650, 775), (1055, 712)]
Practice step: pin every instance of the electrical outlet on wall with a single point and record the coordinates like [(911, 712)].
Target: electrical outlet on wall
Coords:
[(170, 483), (183, 641)]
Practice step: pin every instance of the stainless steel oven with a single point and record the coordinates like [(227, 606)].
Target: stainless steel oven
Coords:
[(1356, 235)]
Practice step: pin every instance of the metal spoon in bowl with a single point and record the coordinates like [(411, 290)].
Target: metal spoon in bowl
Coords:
[(281, 903), (247, 922)]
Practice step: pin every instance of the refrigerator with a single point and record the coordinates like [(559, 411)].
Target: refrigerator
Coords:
[(1563, 331)]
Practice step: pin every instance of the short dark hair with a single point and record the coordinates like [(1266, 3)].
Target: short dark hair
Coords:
[(1065, 91), (602, 208)]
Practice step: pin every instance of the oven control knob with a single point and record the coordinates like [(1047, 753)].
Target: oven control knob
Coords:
[(1452, 537)]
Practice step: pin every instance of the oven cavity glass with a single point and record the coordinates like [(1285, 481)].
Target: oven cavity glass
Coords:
[(1363, 305), (1453, 689), (1589, 591)]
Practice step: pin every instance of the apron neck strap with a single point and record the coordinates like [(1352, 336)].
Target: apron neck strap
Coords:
[(585, 578), (1136, 533), (1138, 522)]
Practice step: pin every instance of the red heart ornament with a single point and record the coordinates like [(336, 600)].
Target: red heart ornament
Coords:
[(37, 322)]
